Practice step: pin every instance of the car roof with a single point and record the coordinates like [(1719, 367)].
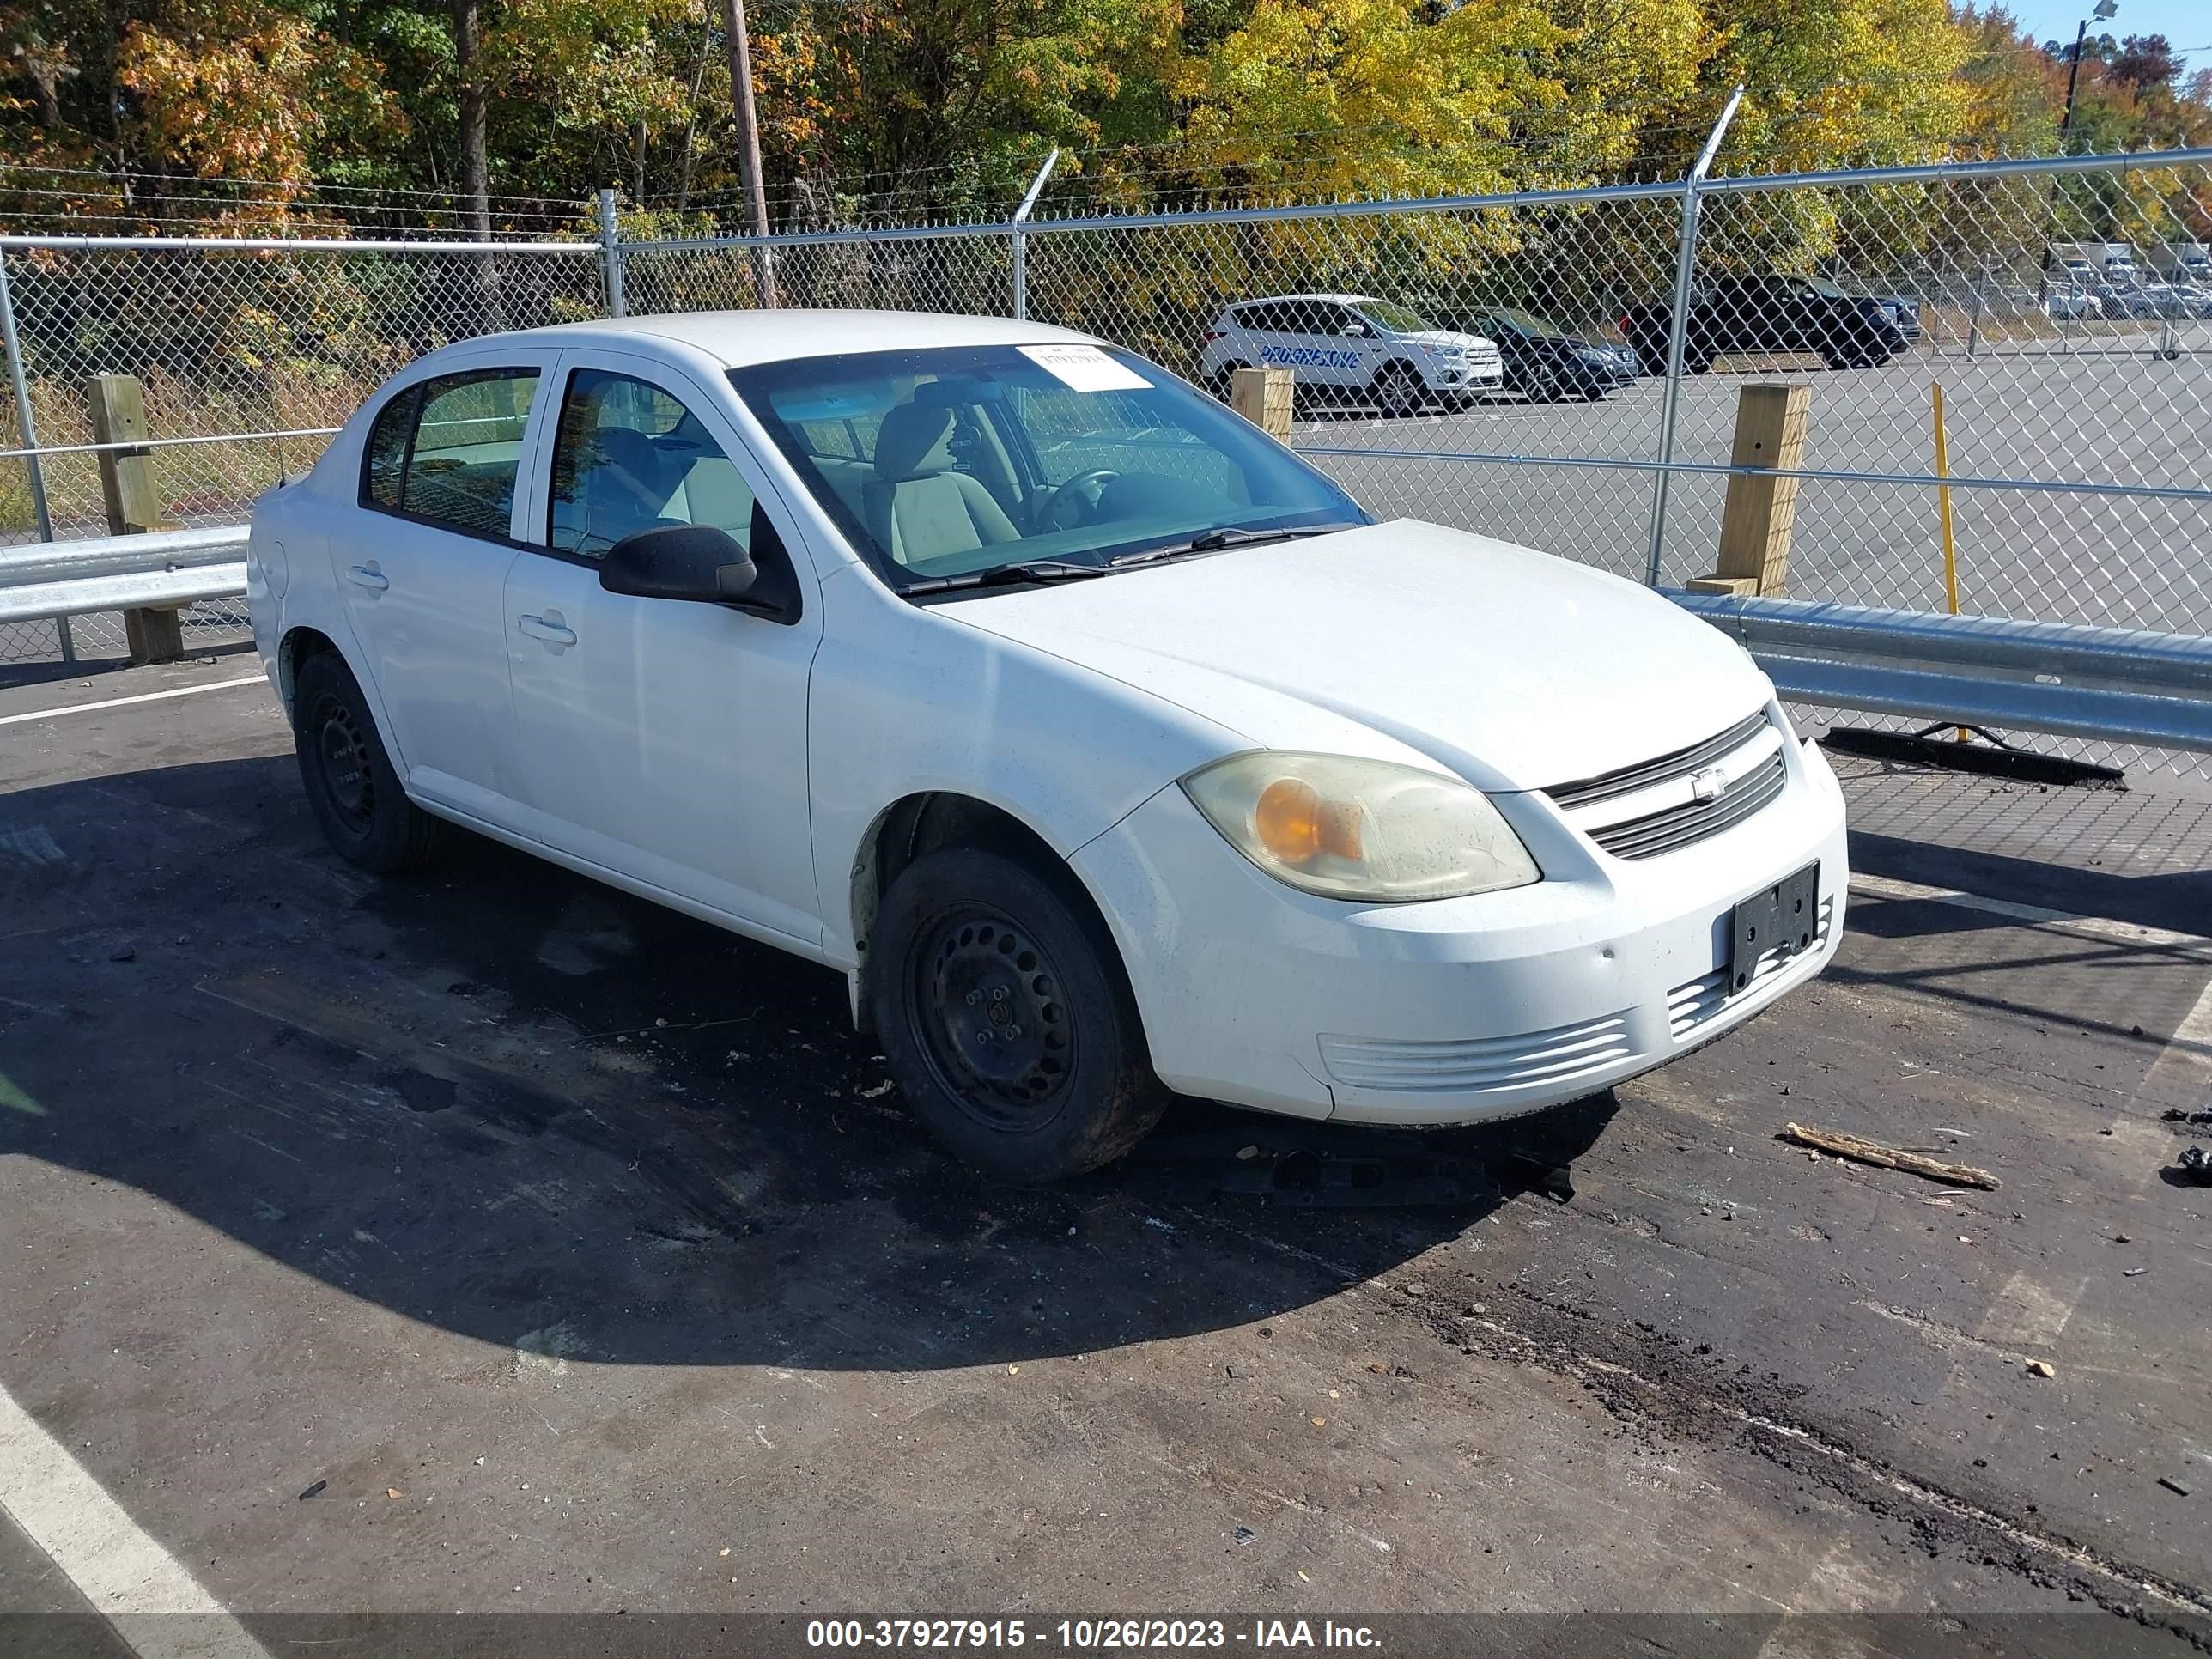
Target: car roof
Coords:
[(741, 338), (1334, 298)]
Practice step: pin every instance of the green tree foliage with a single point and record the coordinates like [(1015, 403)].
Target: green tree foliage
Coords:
[(876, 104)]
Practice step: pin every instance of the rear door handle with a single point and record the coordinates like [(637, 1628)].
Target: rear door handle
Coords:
[(368, 576), (551, 632)]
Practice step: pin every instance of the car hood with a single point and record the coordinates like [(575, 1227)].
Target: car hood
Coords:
[(1514, 670), (1448, 340)]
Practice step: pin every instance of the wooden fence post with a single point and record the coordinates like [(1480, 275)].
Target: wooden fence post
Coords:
[(1759, 512), (133, 502), (1264, 397)]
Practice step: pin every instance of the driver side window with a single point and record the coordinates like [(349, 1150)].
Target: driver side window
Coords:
[(629, 457)]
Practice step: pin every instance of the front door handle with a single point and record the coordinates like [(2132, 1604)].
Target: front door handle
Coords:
[(368, 576), (548, 629)]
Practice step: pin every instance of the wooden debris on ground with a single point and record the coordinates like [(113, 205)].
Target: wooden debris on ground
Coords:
[(1889, 1157)]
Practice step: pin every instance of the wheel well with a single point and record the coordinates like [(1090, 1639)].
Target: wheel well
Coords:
[(920, 824), (292, 654)]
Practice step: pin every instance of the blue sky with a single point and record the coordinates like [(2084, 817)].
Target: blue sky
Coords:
[(2183, 22)]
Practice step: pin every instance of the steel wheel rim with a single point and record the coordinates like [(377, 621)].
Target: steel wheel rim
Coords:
[(988, 1011), (342, 750)]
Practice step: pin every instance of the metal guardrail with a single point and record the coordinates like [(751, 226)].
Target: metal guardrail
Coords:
[(2107, 684), (157, 571)]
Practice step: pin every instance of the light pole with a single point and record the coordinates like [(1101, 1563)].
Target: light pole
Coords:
[(2106, 11)]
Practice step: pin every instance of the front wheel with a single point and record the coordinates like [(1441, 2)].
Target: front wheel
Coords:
[(1006, 1019), (1398, 391)]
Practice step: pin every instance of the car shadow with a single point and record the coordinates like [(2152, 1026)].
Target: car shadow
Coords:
[(508, 1102)]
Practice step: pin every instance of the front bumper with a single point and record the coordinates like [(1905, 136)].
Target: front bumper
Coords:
[(1459, 1010), (1483, 375)]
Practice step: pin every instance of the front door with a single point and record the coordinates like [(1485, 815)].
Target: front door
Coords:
[(425, 578), (661, 739)]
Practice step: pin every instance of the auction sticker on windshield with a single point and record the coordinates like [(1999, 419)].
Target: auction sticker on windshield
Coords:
[(1085, 369)]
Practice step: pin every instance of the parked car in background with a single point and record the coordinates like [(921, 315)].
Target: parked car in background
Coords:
[(2141, 298), (2066, 302), (1765, 315), (1906, 308), (1345, 346), (1105, 746), (1544, 362)]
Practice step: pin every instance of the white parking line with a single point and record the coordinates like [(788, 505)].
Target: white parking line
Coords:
[(123, 703), (155, 1604), (2182, 1073), (2103, 927)]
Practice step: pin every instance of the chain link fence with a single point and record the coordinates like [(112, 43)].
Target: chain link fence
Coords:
[(2063, 307), (250, 354)]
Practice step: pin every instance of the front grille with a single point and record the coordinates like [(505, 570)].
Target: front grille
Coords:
[(1681, 823), (1681, 826), (1682, 764)]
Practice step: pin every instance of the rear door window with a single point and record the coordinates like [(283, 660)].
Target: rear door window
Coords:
[(447, 452)]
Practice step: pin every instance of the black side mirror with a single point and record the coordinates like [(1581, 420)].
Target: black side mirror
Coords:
[(695, 562)]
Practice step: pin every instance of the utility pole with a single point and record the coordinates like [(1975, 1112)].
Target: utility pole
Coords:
[(749, 152)]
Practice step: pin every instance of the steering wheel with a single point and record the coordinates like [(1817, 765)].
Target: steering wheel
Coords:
[(1047, 511)]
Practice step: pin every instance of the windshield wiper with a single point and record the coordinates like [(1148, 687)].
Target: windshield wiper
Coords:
[(1213, 541), (1009, 576)]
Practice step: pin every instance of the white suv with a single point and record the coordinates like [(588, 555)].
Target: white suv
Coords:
[(1349, 345)]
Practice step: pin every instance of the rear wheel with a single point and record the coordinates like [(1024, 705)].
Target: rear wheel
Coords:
[(1006, 1019), (1223, 379), (352, 787)]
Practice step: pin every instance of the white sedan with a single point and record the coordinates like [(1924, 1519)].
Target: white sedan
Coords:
[(1104, 744)]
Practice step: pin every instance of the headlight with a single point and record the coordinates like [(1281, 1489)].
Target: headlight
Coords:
[(1351, 829)]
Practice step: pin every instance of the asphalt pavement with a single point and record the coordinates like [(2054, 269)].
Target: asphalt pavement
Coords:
[(2111, 411), (492, 1243)]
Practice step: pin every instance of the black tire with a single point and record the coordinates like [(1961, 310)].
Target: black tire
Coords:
[(1062, 1082), (1398, 391), (1697, 362), (352, 789), (1224, 378)]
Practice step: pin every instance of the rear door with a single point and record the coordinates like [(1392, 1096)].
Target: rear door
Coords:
[(424, 574), (1314, 344), (661, 739)]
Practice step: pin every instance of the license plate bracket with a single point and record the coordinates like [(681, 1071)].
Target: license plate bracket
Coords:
[(1785, 916)]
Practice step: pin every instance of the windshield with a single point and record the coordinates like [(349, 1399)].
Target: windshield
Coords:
[(964, 459), (1512, 320), (1399, 320)]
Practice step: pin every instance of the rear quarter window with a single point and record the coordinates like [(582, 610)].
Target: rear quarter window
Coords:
[(385, 461)]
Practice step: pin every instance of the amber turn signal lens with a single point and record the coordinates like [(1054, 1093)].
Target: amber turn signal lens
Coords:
[(1297, 826), (1287, 820)]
